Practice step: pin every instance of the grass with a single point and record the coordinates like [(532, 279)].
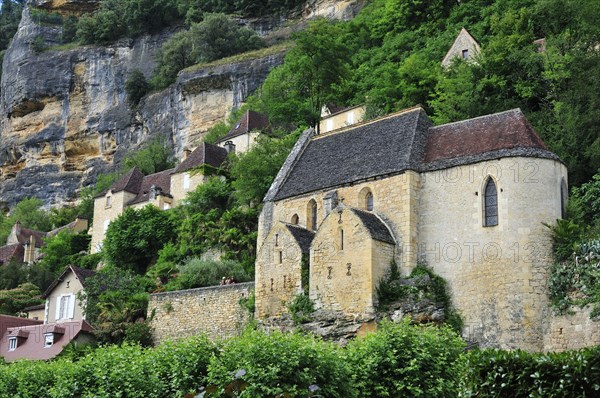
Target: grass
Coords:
[(263, 52)]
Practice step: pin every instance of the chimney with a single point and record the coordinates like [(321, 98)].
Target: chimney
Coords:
[(229, 146), (185, 154)]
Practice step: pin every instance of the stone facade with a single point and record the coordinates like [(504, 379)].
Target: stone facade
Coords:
[(214, 311), (464, 47), (343, 118), (572, 331), (468, 199)]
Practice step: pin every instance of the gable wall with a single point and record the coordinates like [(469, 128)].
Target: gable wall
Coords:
[(103, 213), (277, 283), (177, 185), (74, 287), (497, 275)]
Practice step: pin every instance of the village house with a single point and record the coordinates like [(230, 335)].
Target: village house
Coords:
[(335, 117), (23, 245), (245, 132), (464, 47), (163, 190), (64, 322), (467, 199)]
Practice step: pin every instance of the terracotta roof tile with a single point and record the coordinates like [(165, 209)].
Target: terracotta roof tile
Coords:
[(9, 252), (208, 154), (130, 182), (161, 180)]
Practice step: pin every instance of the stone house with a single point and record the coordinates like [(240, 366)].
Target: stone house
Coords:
[(23, 245), (464, 47), (64, 322), (163, 190), (333, 117), (468, 199), (245, 132)]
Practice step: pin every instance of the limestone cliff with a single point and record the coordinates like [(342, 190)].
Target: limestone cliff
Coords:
[(64, 116)]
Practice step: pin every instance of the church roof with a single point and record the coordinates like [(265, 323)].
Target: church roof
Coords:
[(303, 236), (365, 150), (399, 142), (375, 226)]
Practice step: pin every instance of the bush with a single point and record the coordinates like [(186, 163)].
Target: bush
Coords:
[(301, 308), (401, 360), (277, 364), (136, 87), (200, 273), (497, 373)]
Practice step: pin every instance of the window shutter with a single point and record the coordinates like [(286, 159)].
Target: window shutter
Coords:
[(71, 300), (59, 302)]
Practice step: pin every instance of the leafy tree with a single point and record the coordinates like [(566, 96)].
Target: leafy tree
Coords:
[(136, 87), (134, 238), (14, 300), (10, 16), (156, 156), (217, 36), (29, 213), (12, 275), (254, 171), (297, 90), (65, 248)]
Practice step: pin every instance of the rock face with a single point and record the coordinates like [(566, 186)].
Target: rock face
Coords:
[(64, 115)]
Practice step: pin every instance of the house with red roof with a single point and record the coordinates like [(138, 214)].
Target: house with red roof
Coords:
[(469, 199), (164, 189), (63, 323)]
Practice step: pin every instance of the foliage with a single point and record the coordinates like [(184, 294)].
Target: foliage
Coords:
[(497, 373), (217, 36), (249, 303), (10, 16), (29, 213), (136, 87), (14, 300), (276, 364), (63, 249), (195, 272), (254, 171), (134, 239), (13, 274), (296, 91), (155, 156), (408, 361), (115, 299), (301, 308)]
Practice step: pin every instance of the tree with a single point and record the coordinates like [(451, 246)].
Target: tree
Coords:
[(13, 301), (134, 238), (156, 156), (29, 213), (136, 87), (65, 248)]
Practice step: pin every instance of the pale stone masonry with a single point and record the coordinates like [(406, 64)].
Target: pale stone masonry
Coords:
[(468, 199), (214, 311), (465, 47)]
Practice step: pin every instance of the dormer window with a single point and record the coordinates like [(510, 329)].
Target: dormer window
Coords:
[(12, 343), (48, 340)]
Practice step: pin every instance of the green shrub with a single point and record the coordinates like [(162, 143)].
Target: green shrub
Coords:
[(269, 365), (402, 360), (136, 87), (497, 373), (301, 308), (200, 273)]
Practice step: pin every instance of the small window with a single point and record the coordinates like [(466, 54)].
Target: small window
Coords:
[(369, 200), (465, 54), (108, 201), (564, 196), (311, 221), (329, 125), (490, 200), (280, 257), (276, 240), (341, 239), (48, 340), (186, 181), (351, 118), (65, 307), (295, 219), (12, 343)]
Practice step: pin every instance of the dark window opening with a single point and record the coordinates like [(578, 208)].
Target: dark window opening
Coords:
[(465, 54), (490, 204)]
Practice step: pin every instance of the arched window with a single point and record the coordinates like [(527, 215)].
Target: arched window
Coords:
[(311, 215), (490, 204), (365, 199), (369, 200), (295, 219), (564, 196)]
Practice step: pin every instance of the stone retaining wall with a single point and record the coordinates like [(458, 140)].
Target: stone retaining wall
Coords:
[(214, 311)]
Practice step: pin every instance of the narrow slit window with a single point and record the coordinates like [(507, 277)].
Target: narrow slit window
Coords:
[(280, 257), (276, 240), (341, 239), (490, 204), (369, 200), (312, 215)]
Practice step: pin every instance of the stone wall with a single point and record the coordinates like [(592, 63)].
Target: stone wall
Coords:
[(214, 311), (571, 332)]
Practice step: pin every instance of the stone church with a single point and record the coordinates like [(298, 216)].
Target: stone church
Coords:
[(468, 199)]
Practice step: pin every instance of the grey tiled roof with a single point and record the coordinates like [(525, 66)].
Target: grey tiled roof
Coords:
[(130, 182), (250, 121), (161, 180), (402, 141), (303, 236), (209, 154), (375, 226), (365, 150)]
